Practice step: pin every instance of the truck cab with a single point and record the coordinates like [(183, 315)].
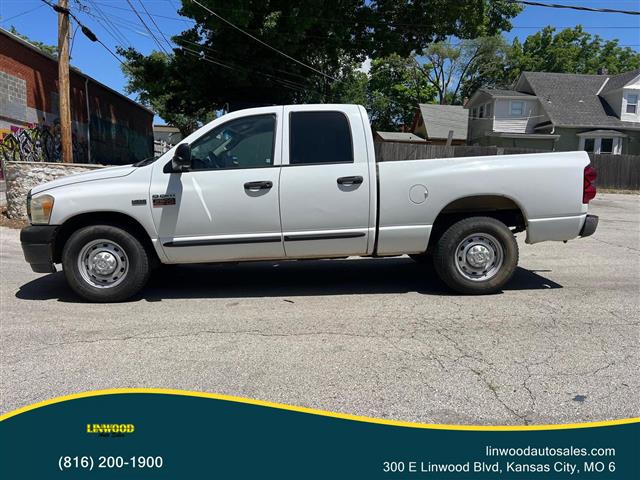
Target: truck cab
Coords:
[(272, 183)]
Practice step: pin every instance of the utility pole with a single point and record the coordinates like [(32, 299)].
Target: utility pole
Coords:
[(63, 81)]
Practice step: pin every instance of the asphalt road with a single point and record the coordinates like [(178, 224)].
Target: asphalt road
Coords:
[(379, 338)]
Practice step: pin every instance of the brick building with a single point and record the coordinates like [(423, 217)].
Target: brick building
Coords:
[(107, 127)]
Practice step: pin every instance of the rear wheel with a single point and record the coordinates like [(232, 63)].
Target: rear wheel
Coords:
[(477, 255), (103, 263)]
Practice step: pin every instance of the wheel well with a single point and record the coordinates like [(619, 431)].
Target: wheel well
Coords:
[(501, 208), (114, 219)]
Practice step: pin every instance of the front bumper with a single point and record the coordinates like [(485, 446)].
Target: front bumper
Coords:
[(37, 246), (590, 225)]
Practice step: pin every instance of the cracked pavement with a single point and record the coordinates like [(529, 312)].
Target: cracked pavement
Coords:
[(373, 337)]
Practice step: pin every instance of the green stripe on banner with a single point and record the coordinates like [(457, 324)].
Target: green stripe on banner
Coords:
[(139, 434)]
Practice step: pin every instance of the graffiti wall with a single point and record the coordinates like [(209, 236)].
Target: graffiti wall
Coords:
[(111, 143), (38, 143), (107, 127)]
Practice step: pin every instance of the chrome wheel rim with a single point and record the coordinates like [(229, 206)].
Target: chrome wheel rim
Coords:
[(479, 257), (103, 263)]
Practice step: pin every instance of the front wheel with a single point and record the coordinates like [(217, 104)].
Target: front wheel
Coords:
[(477, 255), (103, 263)]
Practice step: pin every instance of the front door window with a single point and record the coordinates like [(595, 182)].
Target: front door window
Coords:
[(246, 142)]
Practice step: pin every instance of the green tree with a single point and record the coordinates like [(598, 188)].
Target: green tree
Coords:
[(216, 66), (448, 67), (48, 49), (162, 84), (406, 26), (571, 50), (352, 87), (395, 88), (390, 91)]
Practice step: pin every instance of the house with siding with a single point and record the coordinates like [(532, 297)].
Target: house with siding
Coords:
[(560, 112)]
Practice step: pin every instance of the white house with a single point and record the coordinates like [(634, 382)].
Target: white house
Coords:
[(556, 111)]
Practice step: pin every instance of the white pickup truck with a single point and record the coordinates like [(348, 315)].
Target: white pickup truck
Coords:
[(296, 182)]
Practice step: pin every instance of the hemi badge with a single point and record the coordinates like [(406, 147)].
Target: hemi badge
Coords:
[(138, 202)]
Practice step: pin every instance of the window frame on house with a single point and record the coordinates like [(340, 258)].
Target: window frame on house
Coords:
[(488, 110), (597, 139), (516, 102), (592, 144), (633, 104), (610, 143)]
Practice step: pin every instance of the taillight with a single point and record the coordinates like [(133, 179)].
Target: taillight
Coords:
[(589, 186)]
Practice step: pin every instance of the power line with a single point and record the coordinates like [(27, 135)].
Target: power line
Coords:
[(131, 29), (261, 42), (104, 22), (85, 30), (21, 14), (201, 55), (157, 15), (576, 7), (154, 23), (336, 21), (109, 26), (379, 22), (147, 28), (272, 68), (113, 54), (73, 39), (207, 59)]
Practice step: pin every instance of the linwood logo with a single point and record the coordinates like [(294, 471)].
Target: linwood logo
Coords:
[(110, 429)]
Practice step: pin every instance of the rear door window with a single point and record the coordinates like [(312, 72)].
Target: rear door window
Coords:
[(319, 137)]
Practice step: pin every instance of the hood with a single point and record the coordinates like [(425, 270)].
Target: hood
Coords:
[(101, 174)]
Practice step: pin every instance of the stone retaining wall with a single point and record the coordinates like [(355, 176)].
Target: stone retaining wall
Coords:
[(23, 176)]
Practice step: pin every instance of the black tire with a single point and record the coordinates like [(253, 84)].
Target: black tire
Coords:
[(137, 264), (421, 257), (449, 244)]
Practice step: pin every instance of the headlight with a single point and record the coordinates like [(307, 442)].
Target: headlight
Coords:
[(40, 209)]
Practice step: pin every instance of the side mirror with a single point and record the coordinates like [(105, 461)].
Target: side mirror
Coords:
[(181, 161)]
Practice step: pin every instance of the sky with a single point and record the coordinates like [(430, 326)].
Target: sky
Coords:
[(39, 22)]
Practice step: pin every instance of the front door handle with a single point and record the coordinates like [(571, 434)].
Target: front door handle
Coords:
[(356, 180), (266, 185)]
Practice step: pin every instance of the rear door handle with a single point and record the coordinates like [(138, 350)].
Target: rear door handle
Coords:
[(266, 185), (356, 180)]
